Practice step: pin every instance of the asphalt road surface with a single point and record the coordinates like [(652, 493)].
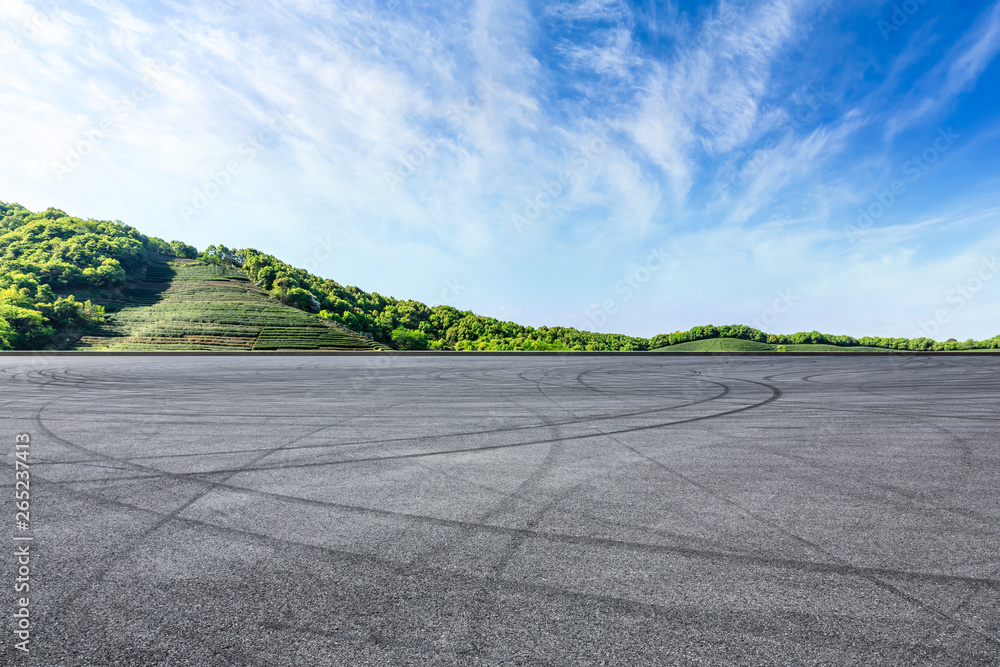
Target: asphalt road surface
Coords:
[(499, 510)]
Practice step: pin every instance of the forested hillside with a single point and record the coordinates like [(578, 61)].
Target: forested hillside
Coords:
[(59, 275), (410, 325), (188, 304), (56, 269), (48, 260), (413, 325)]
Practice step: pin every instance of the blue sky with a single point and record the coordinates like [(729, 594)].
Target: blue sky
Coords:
[(631, 167)]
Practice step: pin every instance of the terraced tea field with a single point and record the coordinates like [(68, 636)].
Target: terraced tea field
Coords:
[(191, 305), (300, 338)]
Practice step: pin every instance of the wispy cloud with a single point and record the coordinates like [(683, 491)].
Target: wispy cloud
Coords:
[(957, 73), (708, 97)]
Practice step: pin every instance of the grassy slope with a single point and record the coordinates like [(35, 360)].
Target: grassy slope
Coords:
[(718, 345), (190, 305), (835, 348), (737, 345)]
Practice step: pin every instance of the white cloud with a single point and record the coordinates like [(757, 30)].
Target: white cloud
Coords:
[(708, 97), (466, 105), (958, 73), (973, 56)]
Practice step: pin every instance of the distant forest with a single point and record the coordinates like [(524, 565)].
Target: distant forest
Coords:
[(54, 267)]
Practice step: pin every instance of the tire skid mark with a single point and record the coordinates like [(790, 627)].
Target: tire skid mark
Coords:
[(848, 569), (374, 638), (486, 448), (874, 575), (844, 568), (138, 539), (840, 568), (874, 578), (626, 605), (466, 434), (508, 499), (486, 592), (884, 486)]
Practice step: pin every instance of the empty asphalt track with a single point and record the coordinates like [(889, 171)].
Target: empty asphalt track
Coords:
[(494, 510)]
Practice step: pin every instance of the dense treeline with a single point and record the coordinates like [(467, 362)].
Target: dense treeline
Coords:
[(414, 325), (407, 325), (46, 258), (816, 338)]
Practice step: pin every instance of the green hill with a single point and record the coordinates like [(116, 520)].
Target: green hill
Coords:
[(186, 304), (739, 345), (703, 339), (69, 283), (718, 345), (831, 348)]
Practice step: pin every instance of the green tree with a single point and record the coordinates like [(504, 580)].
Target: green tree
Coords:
[(184, 250), (406, 339)]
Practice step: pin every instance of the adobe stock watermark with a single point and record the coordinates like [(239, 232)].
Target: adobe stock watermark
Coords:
[(597, 315), (40, 18), (419, 154), (914, 169), (94, 137), (783, 302), (368, 36), (322, 253), (39, 358), (815, 99), (220, 179), (961, 295), (551, 191), (451, 291), (413, 158), (458, 115), (707, 37), (22, 540), (900, 15)]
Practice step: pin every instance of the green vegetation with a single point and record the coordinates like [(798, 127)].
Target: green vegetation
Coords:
[(68, 283), (406, 325), (47, 261), (300, 338), (190, 305), (719, 345), (829, 348), (90, 284), (814, 341), (739, 345)]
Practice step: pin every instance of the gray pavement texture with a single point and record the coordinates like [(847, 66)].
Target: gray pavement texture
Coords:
[(501, 510)]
